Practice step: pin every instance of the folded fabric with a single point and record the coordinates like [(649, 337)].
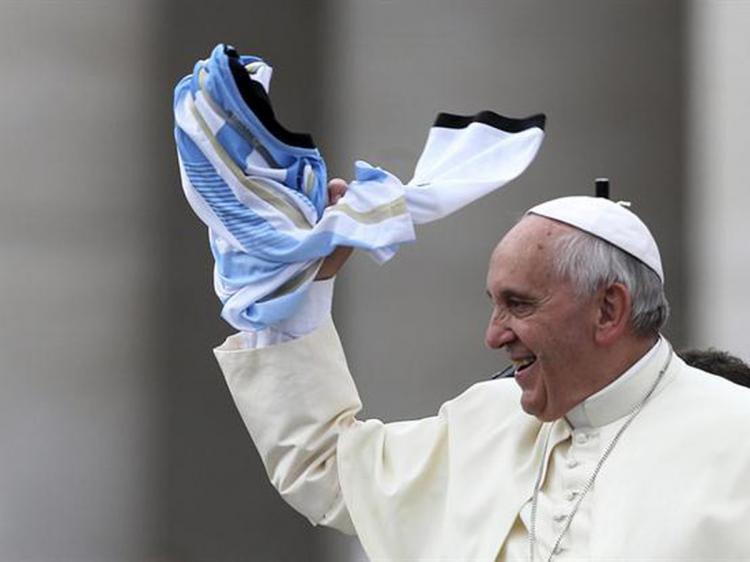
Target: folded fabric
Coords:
[(261, 189)]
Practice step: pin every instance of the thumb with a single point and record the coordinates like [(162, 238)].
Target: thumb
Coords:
[(336, 189)]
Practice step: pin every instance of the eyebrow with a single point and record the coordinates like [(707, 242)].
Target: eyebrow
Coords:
[(506, 294)]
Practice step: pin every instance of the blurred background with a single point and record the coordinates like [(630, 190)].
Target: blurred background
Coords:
[(118, 438)]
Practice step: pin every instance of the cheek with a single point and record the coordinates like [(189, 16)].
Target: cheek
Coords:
[(558, 333), (570, 328), (559, 350)]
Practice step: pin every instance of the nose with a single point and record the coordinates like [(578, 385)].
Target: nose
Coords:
[(498, 332)]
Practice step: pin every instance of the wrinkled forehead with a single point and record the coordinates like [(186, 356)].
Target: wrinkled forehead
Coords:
[(531, 235), (527, 249)]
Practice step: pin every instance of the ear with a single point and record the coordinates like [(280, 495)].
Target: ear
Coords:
[(613, 315)]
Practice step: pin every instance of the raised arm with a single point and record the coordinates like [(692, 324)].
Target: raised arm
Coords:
[(296, 398)]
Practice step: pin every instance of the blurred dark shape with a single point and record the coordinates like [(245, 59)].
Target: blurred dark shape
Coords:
[(718, 363), (602, 187)]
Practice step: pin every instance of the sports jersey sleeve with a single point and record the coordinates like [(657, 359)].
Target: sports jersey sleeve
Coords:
[(314, 310)]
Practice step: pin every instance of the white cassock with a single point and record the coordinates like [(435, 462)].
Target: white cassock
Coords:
[(457, 486)]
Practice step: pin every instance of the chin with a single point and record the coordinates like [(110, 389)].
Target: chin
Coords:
[(538, 411), (529, 406), (547, 417)]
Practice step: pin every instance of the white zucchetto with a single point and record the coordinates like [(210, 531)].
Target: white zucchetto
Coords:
[(607, 220)]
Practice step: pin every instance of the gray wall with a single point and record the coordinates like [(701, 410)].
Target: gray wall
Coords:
[(119, 441)]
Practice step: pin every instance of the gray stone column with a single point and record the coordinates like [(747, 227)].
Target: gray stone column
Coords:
[(81, 411), (719, 186)]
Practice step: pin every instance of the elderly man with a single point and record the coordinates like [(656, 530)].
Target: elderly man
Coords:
[(618, 451)]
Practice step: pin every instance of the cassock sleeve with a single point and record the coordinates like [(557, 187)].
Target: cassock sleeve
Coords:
[(296, 398), (299, 402)]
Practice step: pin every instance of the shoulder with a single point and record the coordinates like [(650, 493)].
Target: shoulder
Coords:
[(705, 408), (709, 393), (709, 421), (492, 403), (499, 391)]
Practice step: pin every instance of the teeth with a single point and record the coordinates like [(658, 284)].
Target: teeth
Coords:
[(524, 362)]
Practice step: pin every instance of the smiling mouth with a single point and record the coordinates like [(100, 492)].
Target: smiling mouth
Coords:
[(523, 363)]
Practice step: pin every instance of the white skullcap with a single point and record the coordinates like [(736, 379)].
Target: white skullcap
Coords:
[(606, 220)]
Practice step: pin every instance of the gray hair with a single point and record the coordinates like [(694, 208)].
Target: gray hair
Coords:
[(590, 263)]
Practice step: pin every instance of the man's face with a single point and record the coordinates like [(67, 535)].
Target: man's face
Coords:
[(545, 328)]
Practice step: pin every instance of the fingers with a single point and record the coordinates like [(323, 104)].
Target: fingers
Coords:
[(336, 189), (331, 265)]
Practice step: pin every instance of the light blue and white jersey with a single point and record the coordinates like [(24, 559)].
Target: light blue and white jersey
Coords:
[(261, 189)]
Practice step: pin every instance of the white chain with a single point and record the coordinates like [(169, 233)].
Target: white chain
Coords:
[(537, 486)]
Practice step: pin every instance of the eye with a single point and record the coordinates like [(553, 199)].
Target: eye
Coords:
[(518, 307)]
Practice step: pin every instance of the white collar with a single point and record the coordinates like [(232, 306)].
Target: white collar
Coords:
[(620, 396)]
